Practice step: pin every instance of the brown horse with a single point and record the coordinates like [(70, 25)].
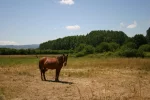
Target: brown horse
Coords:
[(52, 63)]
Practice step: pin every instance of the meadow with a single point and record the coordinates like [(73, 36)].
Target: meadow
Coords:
[(84, 78)]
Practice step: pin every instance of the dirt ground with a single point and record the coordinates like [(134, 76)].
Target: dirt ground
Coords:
[(110, 84)]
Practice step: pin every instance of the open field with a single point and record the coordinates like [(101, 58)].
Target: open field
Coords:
[(82, 79)]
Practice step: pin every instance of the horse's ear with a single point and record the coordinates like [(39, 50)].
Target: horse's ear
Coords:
[(63, 54), (67, 55)]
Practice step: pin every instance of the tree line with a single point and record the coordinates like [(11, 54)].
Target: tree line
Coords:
[(98, 41), (9, 51), (94, 38)]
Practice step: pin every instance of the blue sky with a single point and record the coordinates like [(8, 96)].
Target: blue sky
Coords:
[(36, 21)]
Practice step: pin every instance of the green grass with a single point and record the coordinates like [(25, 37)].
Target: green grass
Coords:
[(12, 61)]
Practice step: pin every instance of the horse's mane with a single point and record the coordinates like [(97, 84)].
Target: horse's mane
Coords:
[(60, 59)]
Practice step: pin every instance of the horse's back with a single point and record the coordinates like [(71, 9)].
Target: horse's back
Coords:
[(49, 63), (42, 60)]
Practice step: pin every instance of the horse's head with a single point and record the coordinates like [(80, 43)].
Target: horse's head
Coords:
[(65, 59)]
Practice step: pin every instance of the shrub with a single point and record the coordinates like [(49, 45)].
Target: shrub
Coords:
[(83, 50), (80, 47), (89, 49), (113, 46), (81, 53), (130, 45), (139, 40), (128, 52), (145, 48), (103, 47), (140, 54)]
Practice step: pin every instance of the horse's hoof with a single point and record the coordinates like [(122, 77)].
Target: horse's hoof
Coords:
[(56, 80)]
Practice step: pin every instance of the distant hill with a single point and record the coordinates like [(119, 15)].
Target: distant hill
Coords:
[(32, 46)]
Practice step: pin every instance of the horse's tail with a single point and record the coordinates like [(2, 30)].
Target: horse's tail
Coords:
[(41, 63), (40, 66)]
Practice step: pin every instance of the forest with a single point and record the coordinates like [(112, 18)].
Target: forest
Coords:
[(115, 43)]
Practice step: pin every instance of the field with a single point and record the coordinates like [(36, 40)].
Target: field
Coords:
[(85, 78)]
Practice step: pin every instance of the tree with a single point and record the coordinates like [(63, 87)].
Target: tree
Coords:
[(89, 49), (94, 38), (130, 45), (79, 48), (103, 47), (113, 46), (148, 35), (145, 47), (139, 40)]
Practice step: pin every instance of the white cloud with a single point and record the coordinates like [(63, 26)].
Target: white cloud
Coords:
[(132, 25), (8, 43), (67, 2), (75, 27)]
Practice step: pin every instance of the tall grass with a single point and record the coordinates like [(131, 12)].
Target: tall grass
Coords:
[(84, 65)]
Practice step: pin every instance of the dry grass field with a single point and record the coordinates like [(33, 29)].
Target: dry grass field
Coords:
[(82, 79)]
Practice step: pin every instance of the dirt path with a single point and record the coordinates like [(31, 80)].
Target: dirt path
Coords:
[(24, 85)]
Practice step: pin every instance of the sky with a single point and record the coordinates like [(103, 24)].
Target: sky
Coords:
[(25, 22)]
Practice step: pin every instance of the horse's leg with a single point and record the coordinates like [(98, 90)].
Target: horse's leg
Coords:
[(57, 74), (44, 74), (41, 75)]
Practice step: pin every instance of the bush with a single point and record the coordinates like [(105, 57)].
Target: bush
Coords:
[(81, 53), (145, 48), (128, 52), (140, 54), (139, 40), (22, 51), (80, 47), (83, 50), (103, 47), (89, 49), (130, 45), (113, 46)]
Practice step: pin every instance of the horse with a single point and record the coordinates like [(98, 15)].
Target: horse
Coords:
[(57, 63)]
